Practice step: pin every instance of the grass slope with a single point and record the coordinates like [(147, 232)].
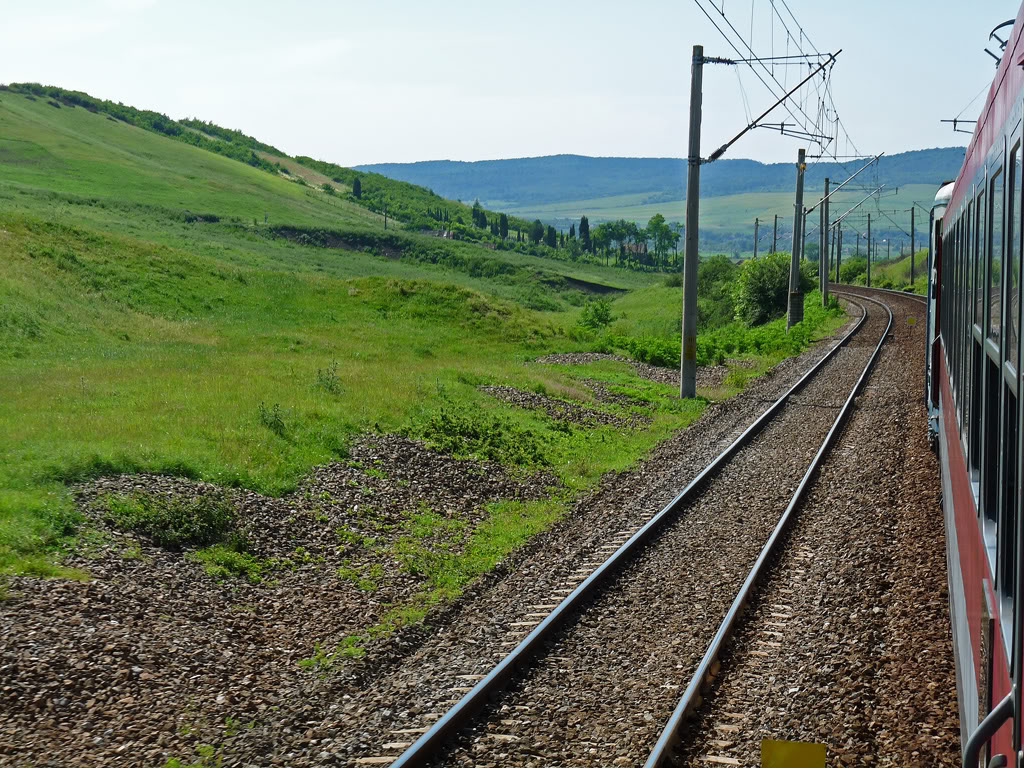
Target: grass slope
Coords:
[(147, 322), (135, 336)]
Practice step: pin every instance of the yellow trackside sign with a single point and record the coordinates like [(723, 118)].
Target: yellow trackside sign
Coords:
[(791, 754)]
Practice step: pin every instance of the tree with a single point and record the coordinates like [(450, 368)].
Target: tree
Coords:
[(479, 217), (585, 233), (561, 239), (503, 227), (677, 231), (357, 188), (536, 231), (572, 231), (602, 239), (662, 235), (551, 237), (762, 290)]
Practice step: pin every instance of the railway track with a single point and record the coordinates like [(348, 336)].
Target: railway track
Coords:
[(792, 657), (636, 622)]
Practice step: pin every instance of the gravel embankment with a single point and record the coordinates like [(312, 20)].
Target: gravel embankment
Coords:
[(151, 656), (848, 643)]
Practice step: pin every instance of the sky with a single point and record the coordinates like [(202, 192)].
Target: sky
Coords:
[(400, 81)]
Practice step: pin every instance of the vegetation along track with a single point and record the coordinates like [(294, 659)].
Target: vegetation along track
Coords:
[(652, 620), (846, 643)]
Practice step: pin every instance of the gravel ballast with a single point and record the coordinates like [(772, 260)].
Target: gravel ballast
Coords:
[(848, 643)]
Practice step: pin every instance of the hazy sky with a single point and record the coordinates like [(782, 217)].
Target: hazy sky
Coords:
[(395, 80)]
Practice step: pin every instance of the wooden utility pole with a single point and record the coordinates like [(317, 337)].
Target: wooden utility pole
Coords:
[(755, 237), (775, 232), (688, 358), (912, 245), (869, 250), (796, 299)]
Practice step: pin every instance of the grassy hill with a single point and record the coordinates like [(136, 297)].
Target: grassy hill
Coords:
[(532, 181), (151, 320), (187, 306), (559, 189)]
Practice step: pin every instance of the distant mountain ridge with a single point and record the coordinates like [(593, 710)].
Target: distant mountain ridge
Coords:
[(557, 178)]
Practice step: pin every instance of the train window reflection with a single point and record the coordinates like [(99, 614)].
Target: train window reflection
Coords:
[(995, 256), (978, 262), (1013, 261)]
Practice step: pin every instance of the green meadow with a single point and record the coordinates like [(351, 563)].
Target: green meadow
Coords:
[(731, 213), (153, 318)]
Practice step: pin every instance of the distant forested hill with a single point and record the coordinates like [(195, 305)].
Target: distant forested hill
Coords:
[(541, 180)]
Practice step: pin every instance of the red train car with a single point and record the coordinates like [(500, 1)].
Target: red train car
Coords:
[(973, 393)]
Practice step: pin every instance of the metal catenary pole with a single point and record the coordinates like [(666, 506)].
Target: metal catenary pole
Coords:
[(796, 300), (825, 234), (911, 244), (775, 232), (869, 250), (839, 250), (755, 237), (688, 358), (821, 242)]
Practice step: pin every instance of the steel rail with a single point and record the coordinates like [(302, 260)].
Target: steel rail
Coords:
[(691, 700), (424, 748), (905, 294)]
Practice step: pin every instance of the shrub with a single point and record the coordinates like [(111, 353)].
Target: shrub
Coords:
[(763, 289), (328, 380), (471, 432), (597, 313), (674, 280), (271, 418), (231, 560), (172, 522), (851, 269), (647, 349)]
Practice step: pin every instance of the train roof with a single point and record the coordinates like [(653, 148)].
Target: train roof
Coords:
[(1000, 102), (944, 195)]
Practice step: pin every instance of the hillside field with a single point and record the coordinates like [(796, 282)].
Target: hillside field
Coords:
[(721, 218), (166, 308)]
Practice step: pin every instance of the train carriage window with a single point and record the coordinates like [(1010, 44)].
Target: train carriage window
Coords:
[(995, 256), (978, 263), (1012, 300)]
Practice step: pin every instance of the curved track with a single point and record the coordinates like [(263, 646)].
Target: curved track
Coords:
[(659, 577), (839, 648)]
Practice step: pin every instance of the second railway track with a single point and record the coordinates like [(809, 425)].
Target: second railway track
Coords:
[(609, 677)]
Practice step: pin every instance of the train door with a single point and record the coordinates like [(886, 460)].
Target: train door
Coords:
[(988, 303), (1009, 309), (975, 318)]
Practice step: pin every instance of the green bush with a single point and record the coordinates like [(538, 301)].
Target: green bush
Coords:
[(851, 269), (467, 432), (231, 560), (762, 291), (597, 313), (172, 522)]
